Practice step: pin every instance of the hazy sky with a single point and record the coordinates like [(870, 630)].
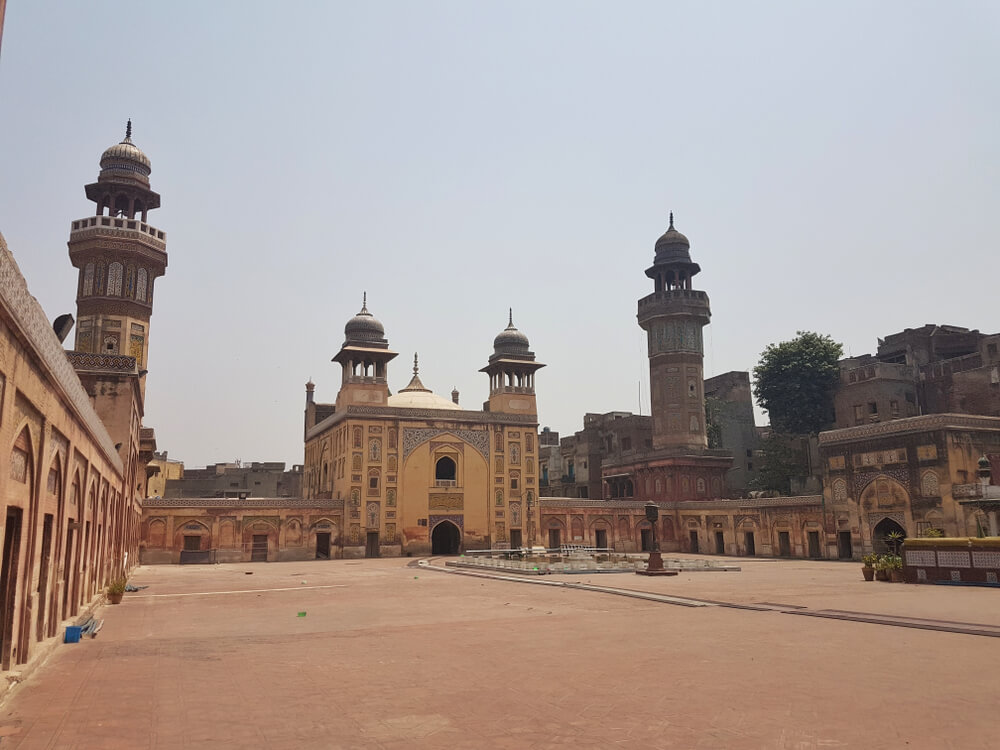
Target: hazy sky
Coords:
[(836, 167)]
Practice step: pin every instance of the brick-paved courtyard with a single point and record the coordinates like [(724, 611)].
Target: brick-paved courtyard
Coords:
[(391, 656)]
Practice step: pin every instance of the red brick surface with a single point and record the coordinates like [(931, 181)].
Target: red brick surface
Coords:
[(394, 657)]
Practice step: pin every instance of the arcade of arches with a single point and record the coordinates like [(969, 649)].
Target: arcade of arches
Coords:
[(70, 525)]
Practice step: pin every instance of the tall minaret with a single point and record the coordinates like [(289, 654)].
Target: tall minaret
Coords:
[(119, 255), (673, 318)]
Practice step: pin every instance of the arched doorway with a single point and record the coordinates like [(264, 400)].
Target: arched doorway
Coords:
[(445, 539), (882, 530)]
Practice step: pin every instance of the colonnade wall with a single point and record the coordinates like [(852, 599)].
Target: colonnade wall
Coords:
[(68, 525)]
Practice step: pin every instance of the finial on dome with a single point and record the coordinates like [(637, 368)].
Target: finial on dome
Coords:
[(671, 220), (128, 130), (510, 318), (416, 367), (364, 302)]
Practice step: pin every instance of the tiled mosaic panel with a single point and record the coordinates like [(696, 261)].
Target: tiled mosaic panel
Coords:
[(984, 559), (918, 557), (953, 559)]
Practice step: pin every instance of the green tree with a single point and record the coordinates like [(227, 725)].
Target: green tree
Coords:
[(795, 381), (779, 463)]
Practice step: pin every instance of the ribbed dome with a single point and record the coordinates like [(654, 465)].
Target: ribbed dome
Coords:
[(364, 327), (125, 159), (672, 237), (511, 341), (672, 246)]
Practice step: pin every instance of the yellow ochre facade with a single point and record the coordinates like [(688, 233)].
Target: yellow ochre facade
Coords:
[(416, 472)]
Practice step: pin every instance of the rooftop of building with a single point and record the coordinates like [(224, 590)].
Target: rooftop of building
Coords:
[(241, 502), (922, 423)]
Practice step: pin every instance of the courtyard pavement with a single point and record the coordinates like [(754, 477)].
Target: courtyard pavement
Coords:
[(389, 655)]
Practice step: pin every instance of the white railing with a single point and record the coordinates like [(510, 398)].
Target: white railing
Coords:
[(116, 222)]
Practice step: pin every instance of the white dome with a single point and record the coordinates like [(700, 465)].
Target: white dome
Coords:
[(421, 400)]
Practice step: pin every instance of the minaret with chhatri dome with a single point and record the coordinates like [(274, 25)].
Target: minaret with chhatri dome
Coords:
[(119, 256), (680, 463)]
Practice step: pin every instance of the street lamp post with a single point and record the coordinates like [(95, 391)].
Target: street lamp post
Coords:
[(531, 524), (655, 565)]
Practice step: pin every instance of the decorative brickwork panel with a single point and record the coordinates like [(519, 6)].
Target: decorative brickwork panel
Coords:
[(19, 465), (447, 503), (840, 490), (929, 486), (412, 437)]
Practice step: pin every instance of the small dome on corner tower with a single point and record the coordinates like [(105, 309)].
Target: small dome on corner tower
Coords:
[(364, 328), (510, 342)]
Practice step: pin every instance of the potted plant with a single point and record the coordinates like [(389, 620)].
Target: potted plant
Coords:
[(116, 590), (893, 540), (895, 565), (882, 568), (868, 566)]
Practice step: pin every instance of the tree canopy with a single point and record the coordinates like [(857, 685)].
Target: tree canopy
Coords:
[(795, 382), (779, 463)]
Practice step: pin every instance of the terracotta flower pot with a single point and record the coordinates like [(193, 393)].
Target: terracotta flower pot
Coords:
[(868, 573), (881, 575), (896, 576), (115, 598)]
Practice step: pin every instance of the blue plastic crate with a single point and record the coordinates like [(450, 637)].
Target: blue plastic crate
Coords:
[(72, 634)]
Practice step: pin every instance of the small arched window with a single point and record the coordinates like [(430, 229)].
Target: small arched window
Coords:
[(445, 469), (88, 280), (115, 280)]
